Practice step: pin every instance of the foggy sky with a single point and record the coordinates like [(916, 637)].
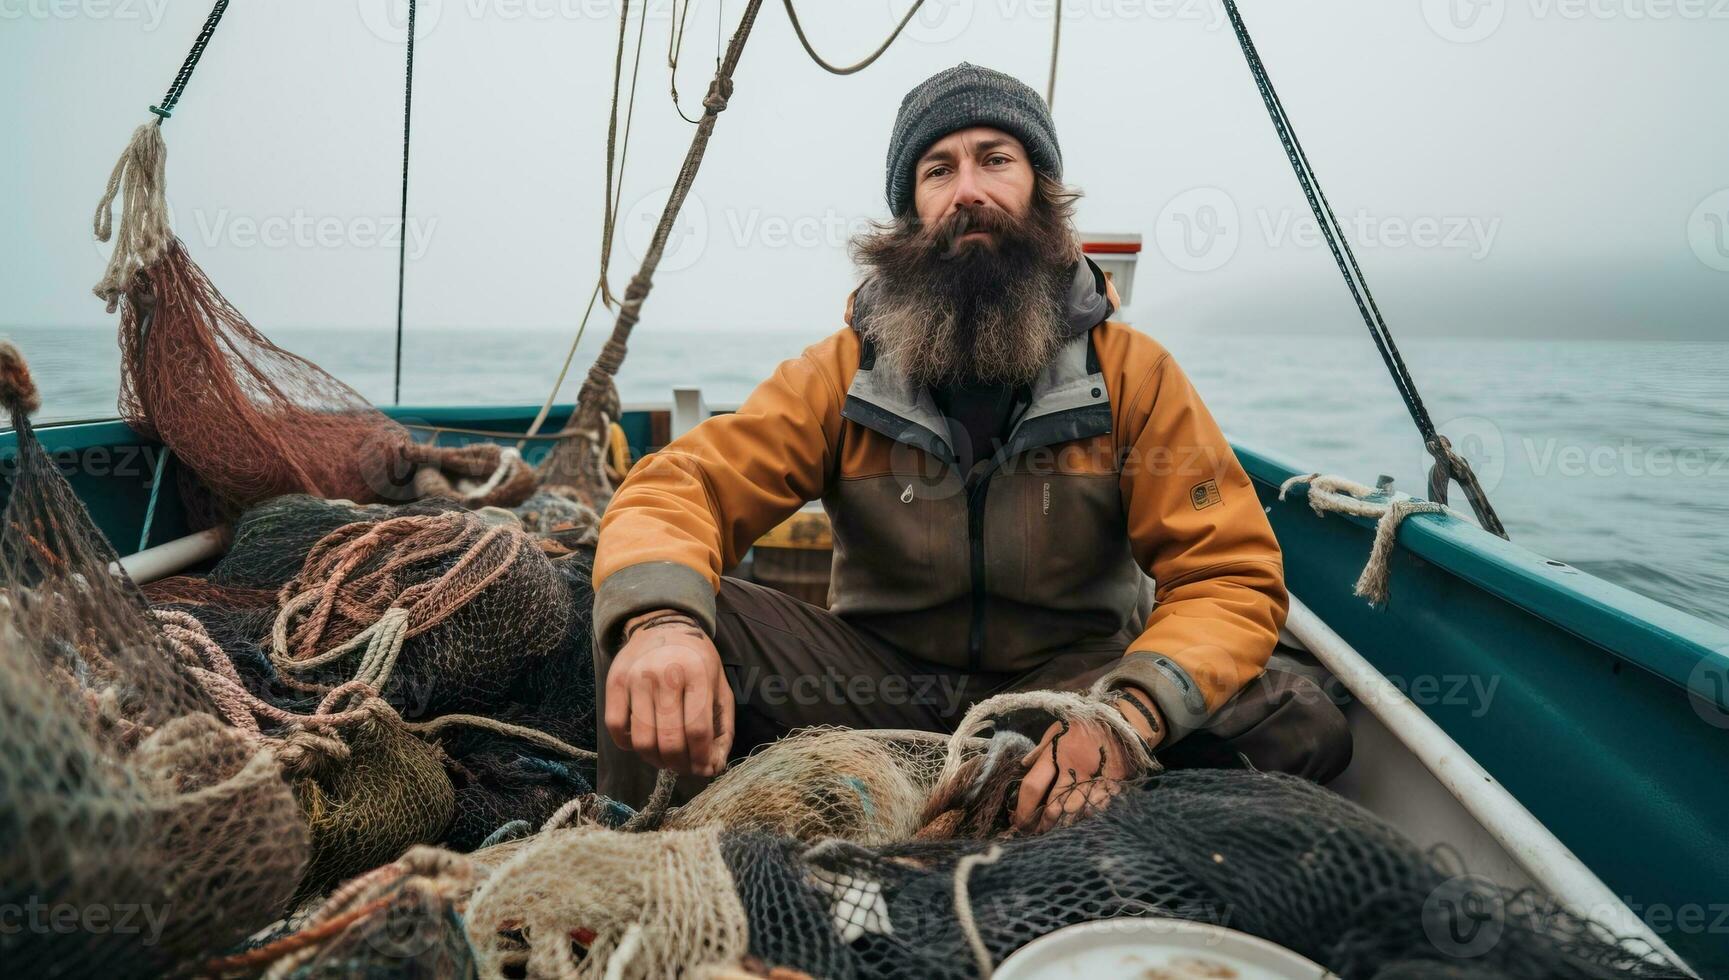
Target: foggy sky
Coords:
[(1552, 168)]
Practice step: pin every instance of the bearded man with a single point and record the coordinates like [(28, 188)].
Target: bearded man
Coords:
[(1024, 495)]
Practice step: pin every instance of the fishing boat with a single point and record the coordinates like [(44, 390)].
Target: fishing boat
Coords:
[(1555, 730)]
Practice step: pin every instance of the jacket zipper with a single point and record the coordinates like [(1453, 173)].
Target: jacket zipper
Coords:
[(976, 540)]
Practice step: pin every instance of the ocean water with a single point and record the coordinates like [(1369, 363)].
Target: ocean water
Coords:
[(1610, 456)]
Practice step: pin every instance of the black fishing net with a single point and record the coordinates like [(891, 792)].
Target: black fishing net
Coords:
[(1269, 855), (442, 612), (272, 539)]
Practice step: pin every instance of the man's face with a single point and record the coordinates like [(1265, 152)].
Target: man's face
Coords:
[(978, 167)]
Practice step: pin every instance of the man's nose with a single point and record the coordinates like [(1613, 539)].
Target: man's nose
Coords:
[(969, 193)]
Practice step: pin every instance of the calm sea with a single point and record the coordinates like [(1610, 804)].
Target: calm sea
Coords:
[(1610, 456)]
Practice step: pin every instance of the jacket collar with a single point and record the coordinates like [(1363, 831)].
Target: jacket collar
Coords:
[(1069, 398)]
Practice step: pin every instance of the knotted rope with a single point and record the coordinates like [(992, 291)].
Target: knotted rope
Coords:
[(1338, 495), (1449, 465), (139, 176)]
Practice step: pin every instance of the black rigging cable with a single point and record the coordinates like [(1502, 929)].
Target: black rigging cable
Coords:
[(857, 66), (1448, 465), (178, 87), (402, 231)]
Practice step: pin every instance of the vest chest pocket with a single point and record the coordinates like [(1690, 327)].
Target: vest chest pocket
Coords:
[(1050, 535), (899, 542)]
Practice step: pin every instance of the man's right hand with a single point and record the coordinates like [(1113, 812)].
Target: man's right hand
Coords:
[(668, 700)]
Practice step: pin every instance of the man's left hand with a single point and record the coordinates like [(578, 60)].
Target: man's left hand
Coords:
[(1075, 772)]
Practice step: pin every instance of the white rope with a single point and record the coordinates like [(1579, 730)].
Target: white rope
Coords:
[(1338, 495), (1067, 705), (625, 952), (964, 908), (144, 230)]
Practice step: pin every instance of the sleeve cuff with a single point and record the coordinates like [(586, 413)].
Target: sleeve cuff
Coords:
[(1179, 698), (646, 587)]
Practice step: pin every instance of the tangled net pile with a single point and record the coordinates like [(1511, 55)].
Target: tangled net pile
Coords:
[(124, 801)]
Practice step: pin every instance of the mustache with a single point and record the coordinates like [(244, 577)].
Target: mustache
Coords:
[(946, 234)]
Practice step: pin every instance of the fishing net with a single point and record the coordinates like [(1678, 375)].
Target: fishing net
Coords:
[(553, 514), (398, 920), (273, 538), (440, 612), (867, 787), (1266, 854), (575, 899), (368, 796), (248, 419), (508, 778), (366, 786), (124, 804)]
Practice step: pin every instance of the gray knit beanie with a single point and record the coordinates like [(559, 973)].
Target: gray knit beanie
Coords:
[(957, 98)]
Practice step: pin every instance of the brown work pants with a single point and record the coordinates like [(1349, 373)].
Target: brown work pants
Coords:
[(792, 664)]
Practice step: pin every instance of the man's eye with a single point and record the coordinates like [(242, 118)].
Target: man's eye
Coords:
[(936, 172), (996, 158)]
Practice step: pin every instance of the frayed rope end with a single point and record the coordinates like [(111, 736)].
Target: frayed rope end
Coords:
[(18, 394)]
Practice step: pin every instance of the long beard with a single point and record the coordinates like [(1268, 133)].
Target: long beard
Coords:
[(946, 310)]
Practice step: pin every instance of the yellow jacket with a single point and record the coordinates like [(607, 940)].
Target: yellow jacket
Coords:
[(1116, 509)]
